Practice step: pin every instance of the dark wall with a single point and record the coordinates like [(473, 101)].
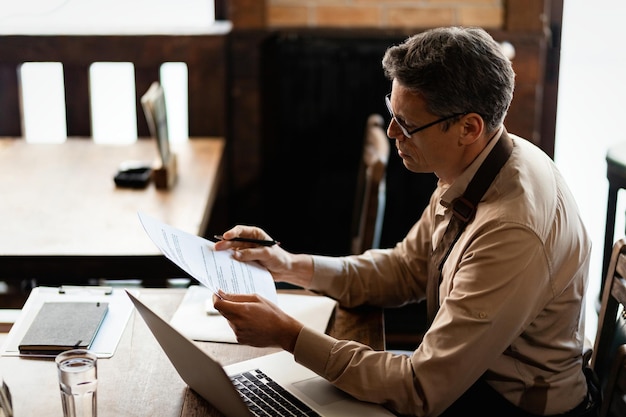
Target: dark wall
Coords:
[(298, 102), (317, 93)]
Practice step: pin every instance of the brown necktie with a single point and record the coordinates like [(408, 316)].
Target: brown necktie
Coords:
[(463, 211)]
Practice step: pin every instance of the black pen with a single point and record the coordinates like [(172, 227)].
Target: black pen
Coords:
[(259, 242)]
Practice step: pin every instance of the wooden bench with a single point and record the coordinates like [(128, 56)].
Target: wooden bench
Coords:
[(205, 55)]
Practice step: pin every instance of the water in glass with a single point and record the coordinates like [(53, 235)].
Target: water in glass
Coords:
[(78, 382)]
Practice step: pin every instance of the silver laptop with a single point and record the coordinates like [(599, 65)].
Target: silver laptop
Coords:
[(233, 389)]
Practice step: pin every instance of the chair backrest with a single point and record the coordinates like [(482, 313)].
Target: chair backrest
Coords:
[(370, 198), (615, 390), (204, 54), (609, 352)]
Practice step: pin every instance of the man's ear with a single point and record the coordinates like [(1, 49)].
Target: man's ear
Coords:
[(472, 128)]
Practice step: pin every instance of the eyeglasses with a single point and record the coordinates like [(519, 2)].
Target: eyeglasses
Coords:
[(406, 132)]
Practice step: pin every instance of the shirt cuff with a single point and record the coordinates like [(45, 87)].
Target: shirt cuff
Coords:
[(313, 350), (325, 269)]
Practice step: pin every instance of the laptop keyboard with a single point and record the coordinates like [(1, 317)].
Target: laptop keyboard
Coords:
[(264, 397)]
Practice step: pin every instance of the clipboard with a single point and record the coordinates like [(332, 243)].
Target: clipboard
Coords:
[(111, 329)]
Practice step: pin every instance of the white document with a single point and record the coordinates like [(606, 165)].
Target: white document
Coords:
[(194, 319), (214, 269)]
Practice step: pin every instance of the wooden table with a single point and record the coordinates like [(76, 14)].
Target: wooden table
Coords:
[(63, 218), (139, 380)]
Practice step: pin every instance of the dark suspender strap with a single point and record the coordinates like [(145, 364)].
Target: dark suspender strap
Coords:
[(464, 207), (464, 210)]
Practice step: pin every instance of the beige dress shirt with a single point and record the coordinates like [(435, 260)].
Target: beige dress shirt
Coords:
[(512, 299)]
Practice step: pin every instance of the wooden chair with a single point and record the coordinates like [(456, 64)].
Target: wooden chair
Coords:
[(609, 352), (614, 404), (369, 207), (616, 175), (401, 331)]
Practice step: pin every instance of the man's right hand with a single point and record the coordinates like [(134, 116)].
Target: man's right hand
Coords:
[(296, 269)]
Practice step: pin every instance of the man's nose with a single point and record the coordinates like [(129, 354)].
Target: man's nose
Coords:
[(394, 131)]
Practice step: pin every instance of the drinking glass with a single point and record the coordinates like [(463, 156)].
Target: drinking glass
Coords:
[(78, 379)]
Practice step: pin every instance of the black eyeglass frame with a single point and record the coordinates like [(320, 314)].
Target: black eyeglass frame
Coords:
[(409, 133)]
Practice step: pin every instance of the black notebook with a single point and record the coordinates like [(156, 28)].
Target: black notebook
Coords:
[(61, 326)]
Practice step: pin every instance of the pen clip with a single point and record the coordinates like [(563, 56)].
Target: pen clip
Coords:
[(65, 289)]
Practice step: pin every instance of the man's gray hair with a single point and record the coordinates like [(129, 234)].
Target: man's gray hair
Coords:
[(455, 70)]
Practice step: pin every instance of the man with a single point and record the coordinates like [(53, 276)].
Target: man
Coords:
[(507, 329)]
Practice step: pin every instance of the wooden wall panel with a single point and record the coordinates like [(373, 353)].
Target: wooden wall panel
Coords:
[(10, 113)]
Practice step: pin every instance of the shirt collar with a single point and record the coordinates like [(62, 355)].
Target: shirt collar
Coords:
[(457, 188)]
